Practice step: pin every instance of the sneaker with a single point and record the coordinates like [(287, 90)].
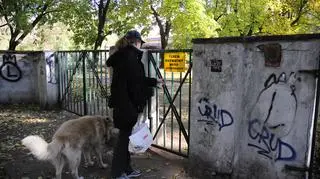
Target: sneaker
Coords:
[(123, 176), (134, 173)]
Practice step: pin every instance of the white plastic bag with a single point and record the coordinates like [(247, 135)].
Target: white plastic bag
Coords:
[(140, 139)]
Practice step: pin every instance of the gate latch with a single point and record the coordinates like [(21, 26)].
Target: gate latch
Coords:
[(315, 72)]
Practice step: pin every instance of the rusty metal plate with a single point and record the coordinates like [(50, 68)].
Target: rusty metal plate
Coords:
[(272, 54)]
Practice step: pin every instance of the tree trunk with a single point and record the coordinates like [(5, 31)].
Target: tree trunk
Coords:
[(13, 43), (12, 46), (164, 34), (164, 28), (103, 8)]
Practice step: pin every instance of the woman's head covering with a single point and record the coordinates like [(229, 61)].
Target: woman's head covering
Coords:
[(134, 34)]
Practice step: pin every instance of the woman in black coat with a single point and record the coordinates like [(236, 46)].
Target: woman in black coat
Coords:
[(130, 90)]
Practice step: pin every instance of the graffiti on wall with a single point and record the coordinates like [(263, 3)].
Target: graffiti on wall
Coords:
[(273, 116), (9, 69), (51, 76), (212, 115)]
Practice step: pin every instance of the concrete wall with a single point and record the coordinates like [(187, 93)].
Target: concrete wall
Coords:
[(52, 80), (251, 117), (25, 77)]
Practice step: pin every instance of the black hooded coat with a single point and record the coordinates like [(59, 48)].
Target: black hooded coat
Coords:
[(130, 88)]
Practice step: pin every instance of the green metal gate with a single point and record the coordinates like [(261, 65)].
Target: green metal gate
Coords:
[(171, 125), (84, 81)]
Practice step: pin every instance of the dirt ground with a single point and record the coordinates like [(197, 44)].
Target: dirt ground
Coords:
[(17, 122)]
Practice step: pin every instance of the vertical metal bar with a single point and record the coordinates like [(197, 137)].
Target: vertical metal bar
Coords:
[(180, 112), (96, 86), (58, 63), (68, 81), (70, 65), (77, 86), (56, 57), (157, 104), (88, 87), (73, 94), (172, 87), (63, 79), (189, 105), (149, 101), (93, 87), (96, 99), (88, 83), (164, 110), (107, 75), (315, 117), (94, 79), (100, 99), (80, 87), (84, 83)]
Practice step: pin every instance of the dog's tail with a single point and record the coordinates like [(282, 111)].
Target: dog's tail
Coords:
[(40, 148)]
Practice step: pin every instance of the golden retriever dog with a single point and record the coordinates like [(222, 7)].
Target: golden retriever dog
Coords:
[(73, 137)]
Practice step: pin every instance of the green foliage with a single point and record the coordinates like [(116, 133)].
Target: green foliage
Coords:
[(188, 19), (67, 24), (80, 19), (22, 16), (192, 22), (49, 37), (265, 17), (122, 15)]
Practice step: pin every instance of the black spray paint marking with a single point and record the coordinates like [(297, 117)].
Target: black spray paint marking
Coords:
[(9, 70), (279, 118), (268, 144), (50, 62), (212, 115)]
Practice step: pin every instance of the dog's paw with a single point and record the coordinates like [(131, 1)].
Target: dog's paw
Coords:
[(91, 163), (88, 164), (104, 165), (81, 177)]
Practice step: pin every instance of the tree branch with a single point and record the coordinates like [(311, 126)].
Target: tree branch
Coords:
[(302, 5), (216, 19), (34, 23), (156, 15), (4, 25), (7, 19)]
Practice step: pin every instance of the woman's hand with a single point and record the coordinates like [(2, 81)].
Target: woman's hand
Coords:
[(160, 82)]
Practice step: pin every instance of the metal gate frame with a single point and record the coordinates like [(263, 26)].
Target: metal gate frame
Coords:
[(81, 87), (84, 88), (171, 99)]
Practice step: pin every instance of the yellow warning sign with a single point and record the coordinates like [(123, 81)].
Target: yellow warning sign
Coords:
[(174, 61)]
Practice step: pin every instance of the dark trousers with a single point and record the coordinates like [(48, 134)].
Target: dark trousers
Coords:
[(121, 156)]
